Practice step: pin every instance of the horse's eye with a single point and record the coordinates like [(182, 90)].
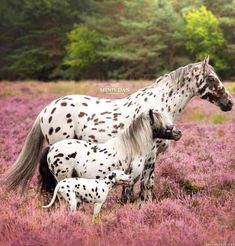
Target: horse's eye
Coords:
[(210, 79)]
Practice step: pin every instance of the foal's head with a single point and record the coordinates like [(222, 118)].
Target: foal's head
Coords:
[(209, 87), (149, 125), (162, 127)]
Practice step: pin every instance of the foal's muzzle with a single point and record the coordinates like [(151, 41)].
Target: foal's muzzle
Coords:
[(225, 104), (171, 133)]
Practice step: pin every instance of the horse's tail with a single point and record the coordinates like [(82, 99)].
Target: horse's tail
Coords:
[(54, 197), (21, 172), (47, 182)]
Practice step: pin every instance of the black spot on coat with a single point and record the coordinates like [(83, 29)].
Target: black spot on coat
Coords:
[(73, 155)]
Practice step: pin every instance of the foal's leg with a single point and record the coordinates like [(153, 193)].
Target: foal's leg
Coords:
[(128, 193), (135, 171), (147, 182)]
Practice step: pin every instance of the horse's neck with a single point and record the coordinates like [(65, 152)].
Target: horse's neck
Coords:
[(175, 100), (168, 96)]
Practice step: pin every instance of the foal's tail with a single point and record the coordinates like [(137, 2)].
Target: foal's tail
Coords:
[(21, 172), (54, 197), (47, 182)]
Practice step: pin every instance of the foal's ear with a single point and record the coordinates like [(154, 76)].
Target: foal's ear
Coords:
[(151, 117)]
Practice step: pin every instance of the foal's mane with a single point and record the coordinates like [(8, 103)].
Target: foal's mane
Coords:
[(138, 137)]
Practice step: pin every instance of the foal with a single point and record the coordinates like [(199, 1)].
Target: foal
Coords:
[(127, 152)]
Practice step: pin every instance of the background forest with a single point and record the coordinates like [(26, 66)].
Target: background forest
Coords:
[(113, 39)]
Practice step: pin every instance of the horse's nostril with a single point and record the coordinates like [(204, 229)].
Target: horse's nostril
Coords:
[(179, 133), (229, 104)]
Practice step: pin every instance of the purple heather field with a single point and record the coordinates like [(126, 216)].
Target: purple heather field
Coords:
[(194, 186)]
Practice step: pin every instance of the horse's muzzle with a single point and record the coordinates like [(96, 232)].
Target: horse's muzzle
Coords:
[(176, 134), (225, 104)]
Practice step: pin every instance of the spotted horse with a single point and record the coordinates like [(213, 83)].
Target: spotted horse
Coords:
[(127, 152), (97, 120)]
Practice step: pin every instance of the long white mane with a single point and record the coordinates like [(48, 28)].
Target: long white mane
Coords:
[(138, 137), (175, 77)]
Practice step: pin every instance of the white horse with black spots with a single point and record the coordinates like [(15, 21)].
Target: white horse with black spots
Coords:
[(127, 152), (97, 120)]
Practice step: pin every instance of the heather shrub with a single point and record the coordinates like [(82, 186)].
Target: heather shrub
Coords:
[(194, 187)]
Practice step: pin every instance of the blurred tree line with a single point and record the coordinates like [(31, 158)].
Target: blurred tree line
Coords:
[(118, 39)]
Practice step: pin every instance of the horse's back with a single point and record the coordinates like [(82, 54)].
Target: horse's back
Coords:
[(82, 117)]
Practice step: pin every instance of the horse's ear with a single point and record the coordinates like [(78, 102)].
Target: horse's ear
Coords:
[(206, 60), (151, 117), (205, 63)]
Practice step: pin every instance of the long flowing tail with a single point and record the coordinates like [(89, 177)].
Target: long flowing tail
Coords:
[(47, 182), (21, 172), (54, 196)]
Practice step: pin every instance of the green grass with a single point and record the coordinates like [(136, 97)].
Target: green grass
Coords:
[(7, 92), (218, 118), (197, 116), (231, 86), (202, 116), (190, 187)]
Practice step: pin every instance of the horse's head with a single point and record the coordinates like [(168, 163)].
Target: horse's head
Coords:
[(162, 127), (209, 86)]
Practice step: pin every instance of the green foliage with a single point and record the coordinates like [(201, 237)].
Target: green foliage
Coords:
[(82, 47), (225, 12), (137, 35), (203, 34), (33, 46), (70, 39)]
